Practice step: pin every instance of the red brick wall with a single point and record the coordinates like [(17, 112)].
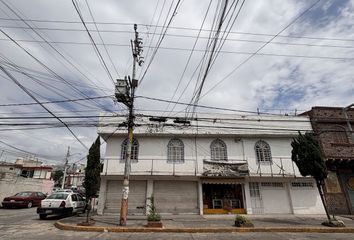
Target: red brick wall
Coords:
[(323, 120)]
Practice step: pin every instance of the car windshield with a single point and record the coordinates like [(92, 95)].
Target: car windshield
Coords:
[(58, 196), (23, 194)]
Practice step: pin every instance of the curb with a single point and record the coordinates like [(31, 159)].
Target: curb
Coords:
[(71, 227)]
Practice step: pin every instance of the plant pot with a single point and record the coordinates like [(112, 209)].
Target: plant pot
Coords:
[(154, 224), (90, 223)]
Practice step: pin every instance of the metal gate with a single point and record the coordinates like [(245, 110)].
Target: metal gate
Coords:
[(136, 201), (176, 197), (256, 198)]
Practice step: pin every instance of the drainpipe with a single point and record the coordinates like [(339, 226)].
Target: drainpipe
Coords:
[(348, 121)]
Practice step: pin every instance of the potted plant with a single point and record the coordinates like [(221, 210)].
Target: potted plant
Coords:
[(242, 221), (153, 218)]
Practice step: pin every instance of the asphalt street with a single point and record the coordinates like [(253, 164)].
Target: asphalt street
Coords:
[(25, 224)]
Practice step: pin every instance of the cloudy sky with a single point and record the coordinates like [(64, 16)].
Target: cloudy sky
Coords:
[(275, 56)]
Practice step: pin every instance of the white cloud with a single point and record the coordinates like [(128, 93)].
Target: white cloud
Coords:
[(263, 82)]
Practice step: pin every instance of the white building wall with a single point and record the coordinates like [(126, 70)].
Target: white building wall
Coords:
[(152, 158), (306, 200), (152, 161)]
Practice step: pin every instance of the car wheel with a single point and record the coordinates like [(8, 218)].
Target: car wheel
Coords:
[(29, 205), (42, 216)]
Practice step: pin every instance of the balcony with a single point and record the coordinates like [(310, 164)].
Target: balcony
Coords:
[(279, 167), (190, 167)]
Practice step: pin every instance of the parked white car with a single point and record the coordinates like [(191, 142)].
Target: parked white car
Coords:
[(61, 203)]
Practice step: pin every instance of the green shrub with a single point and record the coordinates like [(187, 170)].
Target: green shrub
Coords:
[(153, 215), (239, 219)]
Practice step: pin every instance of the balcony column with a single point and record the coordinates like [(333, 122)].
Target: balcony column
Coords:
[(200, 196), (248, 203)]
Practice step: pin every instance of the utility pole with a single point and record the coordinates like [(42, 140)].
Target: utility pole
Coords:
[(125, 91), (65, 166)]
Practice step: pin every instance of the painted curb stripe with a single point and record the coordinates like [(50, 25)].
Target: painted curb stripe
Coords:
[(64, 226)]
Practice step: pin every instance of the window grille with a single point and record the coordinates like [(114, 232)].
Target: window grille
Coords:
[(302, 184), (134, 153), (263, 153), (218, 150), (272, 184), (175, 151)]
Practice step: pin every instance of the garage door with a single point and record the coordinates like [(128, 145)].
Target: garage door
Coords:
[(176, 197), (136, 201), (275, 198)]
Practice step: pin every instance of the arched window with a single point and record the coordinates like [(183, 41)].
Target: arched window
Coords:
[(175, 151), (218, 150), (134, 153), (263, 153), (339, 134)]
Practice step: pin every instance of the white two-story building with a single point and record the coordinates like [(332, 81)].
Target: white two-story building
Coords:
[(213, 164)]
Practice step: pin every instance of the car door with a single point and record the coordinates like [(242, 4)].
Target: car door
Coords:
[(36, 198), (40, 196), (81, 201), (74, 202)]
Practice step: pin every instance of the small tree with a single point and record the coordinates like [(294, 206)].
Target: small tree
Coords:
[(307, 155), (57, 177), (92, 174), (153, 215)]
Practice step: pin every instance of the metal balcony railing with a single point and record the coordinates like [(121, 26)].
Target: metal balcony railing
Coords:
[(150, 166), (279, 166)]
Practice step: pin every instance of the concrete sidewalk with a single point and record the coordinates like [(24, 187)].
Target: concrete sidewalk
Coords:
[(209, 223)]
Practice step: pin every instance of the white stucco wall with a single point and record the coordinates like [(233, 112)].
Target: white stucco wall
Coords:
[(295, 200), (306, 201), (152, 158)]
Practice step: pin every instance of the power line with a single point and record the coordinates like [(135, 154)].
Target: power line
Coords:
[(43, 84), (48, 43), (189, 57), (44, 66), (224, 51), (56, 101), (160, 40), (97, 51), (103, 43), (159, 26), (263, 46), (203, 106), (34, 98)]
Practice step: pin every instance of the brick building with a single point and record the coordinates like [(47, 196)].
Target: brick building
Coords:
[(333, 127)]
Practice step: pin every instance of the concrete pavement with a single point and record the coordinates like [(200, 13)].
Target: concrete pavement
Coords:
[(210, 223)]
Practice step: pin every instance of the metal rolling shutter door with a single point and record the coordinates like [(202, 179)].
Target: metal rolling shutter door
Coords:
[(136, 201), (176, 197)]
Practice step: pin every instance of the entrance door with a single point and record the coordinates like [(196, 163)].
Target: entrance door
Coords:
[(256, 198)]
